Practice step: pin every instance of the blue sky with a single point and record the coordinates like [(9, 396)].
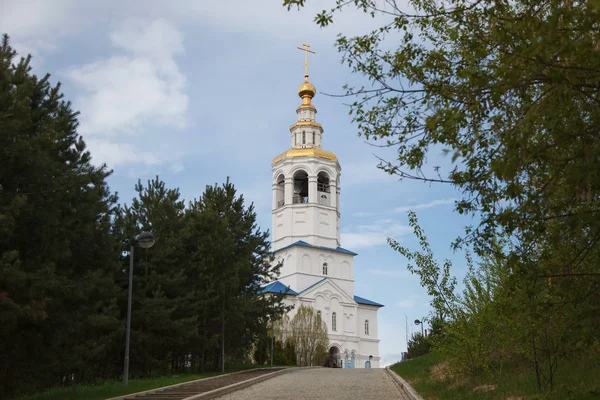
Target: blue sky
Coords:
[(196, 91)]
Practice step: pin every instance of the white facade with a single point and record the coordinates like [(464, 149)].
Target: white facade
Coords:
[(306, 238)]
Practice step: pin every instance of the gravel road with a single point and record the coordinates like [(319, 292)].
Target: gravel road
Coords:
[(324, 383)]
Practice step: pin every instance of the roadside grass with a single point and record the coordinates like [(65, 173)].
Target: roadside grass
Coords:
[(575, 380), (113, 388)]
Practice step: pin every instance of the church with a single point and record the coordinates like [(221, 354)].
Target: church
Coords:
[(316, 270)]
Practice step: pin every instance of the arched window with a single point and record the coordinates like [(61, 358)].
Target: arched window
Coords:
[(300, 187), (319, 313), (366, 326), (324, 268), (303, 137), (334, 322), (314, 142), (323, 188), (280, 197)]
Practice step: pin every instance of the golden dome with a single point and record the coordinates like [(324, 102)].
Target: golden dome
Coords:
[(305, 152), (307, 89)]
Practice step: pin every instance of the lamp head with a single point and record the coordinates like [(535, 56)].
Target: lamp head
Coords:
[(145, 239), (417, 322)]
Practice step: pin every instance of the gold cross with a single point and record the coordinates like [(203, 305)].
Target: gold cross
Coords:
[(306, 51)]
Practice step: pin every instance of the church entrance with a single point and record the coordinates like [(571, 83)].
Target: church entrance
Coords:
[(334, 360)]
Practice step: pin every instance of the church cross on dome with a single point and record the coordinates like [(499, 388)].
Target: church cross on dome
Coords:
[(306, 50)]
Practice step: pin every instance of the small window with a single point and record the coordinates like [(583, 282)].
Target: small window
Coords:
[(303, 137), (334, 322), (366, 326), (314, 142), (324, 268)]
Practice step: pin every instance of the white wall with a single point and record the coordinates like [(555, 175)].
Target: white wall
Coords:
[(315, 223), (307, 264)]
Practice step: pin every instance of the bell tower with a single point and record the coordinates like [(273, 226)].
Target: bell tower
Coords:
[(306, 181)]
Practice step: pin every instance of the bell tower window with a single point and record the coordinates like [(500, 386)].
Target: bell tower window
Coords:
[(324, 268), (323, 188), (280, 195), (314, 141), (300, 187), (303, 137)]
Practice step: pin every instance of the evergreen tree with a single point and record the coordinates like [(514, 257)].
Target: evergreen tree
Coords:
[(57, 319), (159, 277)]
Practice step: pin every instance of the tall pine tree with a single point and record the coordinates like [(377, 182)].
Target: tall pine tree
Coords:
[(57, 317)]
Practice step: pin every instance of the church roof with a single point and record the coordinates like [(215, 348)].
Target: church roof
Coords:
[(278, 287), (361, 300), (311, 286), (302, 243)]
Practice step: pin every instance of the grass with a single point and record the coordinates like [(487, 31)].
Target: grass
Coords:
[(113, 388), (575, 380)]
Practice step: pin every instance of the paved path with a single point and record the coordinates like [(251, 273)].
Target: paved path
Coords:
[(324, 383)]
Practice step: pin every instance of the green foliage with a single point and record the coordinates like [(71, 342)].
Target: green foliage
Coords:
[(64, 276), (432, 378), (303, 339), (58, 317), (113, 388), (285, 353), (418, 345), (508, 90)]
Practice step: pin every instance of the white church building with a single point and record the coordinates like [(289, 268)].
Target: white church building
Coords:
[(316, 270)]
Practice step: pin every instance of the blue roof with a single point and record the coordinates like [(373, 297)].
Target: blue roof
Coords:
[(278, 287), (304, 244), (313, 285), (361, 300)]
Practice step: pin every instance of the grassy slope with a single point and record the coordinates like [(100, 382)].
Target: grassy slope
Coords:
[(577, 380), (113, 388)]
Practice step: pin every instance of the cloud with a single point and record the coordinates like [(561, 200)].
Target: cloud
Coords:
[(37, 25), (376, 234), (132, 93), (114, 154), (423, 206), (403, 209), (365, 173), (145, 87)]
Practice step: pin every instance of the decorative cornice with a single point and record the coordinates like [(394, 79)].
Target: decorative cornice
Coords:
[(307, 123), (305, 152)]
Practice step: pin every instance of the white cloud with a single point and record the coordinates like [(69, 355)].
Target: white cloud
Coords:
[(132, 93), (375, 234), (114, 154), (423, 206), (145, 87), (364, 173), (403, 209), (37, 25)]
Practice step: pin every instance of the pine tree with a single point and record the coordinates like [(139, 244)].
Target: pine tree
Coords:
[(57, 321)]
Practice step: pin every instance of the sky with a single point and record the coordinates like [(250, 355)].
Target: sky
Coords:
[(196, 91)]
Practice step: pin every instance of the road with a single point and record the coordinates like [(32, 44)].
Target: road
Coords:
[(324, 383)]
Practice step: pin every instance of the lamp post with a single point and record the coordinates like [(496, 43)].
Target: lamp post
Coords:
[(420, 322), (272, 340), (145, 240)]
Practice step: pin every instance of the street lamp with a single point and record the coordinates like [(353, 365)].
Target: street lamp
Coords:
[(420, 322), (145, 240)]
